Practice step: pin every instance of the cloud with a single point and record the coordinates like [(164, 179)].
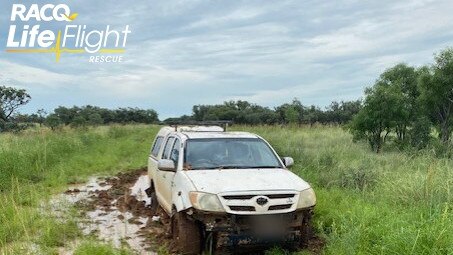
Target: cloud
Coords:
[(235, 16), (28, 76), (142, 83), (319, 93), (202, 52)]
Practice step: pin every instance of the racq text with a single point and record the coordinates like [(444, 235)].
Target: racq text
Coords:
[(105, 59)]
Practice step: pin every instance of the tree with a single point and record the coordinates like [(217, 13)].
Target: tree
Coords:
[(436, 85), (340, 112), (65, 114), (94, 115), (240, 112), (420, 133), (349, 109), (95, 119), (377, 117), (403, 81), (313, 114), (10, 100), (53, 121), (392, 105), (41, 116), (291, 113), (78, 121)]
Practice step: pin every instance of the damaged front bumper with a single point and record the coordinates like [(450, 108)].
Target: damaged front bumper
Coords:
[(250, 230)]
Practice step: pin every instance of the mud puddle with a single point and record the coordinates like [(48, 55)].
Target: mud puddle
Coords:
[(116, 210)]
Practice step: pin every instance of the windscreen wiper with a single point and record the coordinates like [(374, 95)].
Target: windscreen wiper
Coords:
[(225, 167), (232, 167)]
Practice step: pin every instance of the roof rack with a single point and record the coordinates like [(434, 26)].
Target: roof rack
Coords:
[(222, 123)]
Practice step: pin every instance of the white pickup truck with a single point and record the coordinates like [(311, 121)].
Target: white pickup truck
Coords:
[(227, 189)]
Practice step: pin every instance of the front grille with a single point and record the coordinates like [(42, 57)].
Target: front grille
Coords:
[(242, 208), (246, 197), (238, 197), (278, 196), (279, 207), (259, 202)]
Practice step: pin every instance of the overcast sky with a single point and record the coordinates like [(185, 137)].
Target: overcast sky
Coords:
[(182, 53)]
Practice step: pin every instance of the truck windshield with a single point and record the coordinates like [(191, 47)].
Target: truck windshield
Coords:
[(229, 153)]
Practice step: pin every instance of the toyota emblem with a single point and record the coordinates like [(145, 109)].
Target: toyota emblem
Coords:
[(261, 201)]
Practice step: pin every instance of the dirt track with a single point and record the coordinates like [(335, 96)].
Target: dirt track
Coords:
[(115, 209)]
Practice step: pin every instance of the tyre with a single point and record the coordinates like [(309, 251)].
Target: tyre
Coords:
[(154, 203), (209, 246), (186, 234), (306, 230)]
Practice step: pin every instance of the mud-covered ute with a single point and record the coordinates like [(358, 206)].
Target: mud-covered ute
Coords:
[(227, 189)]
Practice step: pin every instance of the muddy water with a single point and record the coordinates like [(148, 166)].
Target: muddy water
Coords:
[(139, 187), (115, 210)]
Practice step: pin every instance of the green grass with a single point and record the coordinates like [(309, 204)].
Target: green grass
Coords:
[(95, 248), (39, 163), (388, 203)]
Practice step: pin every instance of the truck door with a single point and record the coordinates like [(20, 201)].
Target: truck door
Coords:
[(154, 156), (165, 178)]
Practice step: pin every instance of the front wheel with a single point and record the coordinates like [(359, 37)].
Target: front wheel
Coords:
[(306, 229), (151, 192), (186, 234), (209, 243)]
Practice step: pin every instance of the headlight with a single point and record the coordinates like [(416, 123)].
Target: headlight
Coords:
[(206, 202), (307, 198)]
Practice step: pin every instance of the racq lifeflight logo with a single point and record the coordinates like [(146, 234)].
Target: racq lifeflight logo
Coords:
[(105, 45)]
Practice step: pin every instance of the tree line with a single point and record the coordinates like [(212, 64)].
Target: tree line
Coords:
[(240, 112), (408, 105), (11, 99), (243, 112)]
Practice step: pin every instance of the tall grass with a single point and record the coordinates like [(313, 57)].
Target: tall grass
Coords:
[(389, 203), (38, 163)]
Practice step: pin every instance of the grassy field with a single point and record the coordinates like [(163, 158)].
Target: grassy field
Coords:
[(389, 203), (39, 163)]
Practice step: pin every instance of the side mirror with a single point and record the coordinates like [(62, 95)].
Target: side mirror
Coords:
[(288, 161), (166, 165)]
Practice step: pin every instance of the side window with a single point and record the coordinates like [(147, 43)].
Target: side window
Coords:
[(168, 147), (156, 146), (175, 151)]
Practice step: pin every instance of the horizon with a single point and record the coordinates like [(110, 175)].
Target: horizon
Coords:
[(325, 108)]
